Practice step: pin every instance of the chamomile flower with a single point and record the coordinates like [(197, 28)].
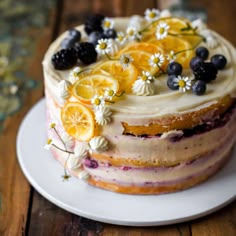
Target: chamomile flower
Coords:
[(104, 46), (162, 30), (146, 76), (152, 15), (132, 32), (171, 56), (107, 23), (98, 101), (74, 74), (125, 60), (120, 38), (184, 83), (156, 60), (52, 125), (48, 144), (109, 94), (144, 85)]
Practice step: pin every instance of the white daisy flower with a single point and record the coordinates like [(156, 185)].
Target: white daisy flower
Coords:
[(156, 60), (125, 60), (98, 101), (184, 83), (48, 144), (146, 76), (144, 85), (152, 15), (109, 94), (162, 30), (120, 38), (104, 46), (74, 74), (107, 23), (132, 32), (171, 56)]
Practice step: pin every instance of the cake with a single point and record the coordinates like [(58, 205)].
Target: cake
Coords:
[(141, 104)]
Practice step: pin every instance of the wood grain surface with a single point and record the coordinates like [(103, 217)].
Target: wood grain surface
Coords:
[(22, 210)]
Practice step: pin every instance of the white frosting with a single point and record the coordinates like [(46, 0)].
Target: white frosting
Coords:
[(143, 88), (81, 151), (83, 175), (74, 163), (98, 144), (142, 110), (68, 140), (63, 87), (137, 22), (103, 115)]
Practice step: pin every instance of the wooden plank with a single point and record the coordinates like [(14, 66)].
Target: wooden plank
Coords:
[(14, 188), (222, 222)]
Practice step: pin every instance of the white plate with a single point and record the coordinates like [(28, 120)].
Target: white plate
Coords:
[(75, 196)]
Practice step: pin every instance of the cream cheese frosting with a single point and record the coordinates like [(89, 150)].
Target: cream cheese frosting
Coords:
[(139, 110)]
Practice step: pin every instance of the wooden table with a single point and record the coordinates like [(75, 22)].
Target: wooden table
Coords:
[(22, 210)]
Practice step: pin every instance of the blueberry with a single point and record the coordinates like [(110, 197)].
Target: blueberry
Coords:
[(171, 84), (68, 43), (94, 23), (195, 63), (110, 33), (174, 68), (219, 61), (94, 37), (202, 52), (75, 34), (199, 87)]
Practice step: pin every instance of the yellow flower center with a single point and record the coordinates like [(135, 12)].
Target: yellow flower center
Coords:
[(156, 60), (131, 32), (107, 24), (181, 83), (110, 93), (52, 125), (152, 15), (126, 60), (120, 37), (97, 101), (49, 141), (144, 78), (162, 30), (103, 45)]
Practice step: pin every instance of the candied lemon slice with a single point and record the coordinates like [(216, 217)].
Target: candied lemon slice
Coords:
[(96, 84), (78, 121), (144, 46), (181, 47), (124, 76)]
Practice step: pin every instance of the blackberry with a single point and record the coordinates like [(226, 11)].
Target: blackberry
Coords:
[(94, 23), (86, 52), (64, 59), (206, 72)]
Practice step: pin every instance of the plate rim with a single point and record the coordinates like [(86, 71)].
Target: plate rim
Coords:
[(95, 217)]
